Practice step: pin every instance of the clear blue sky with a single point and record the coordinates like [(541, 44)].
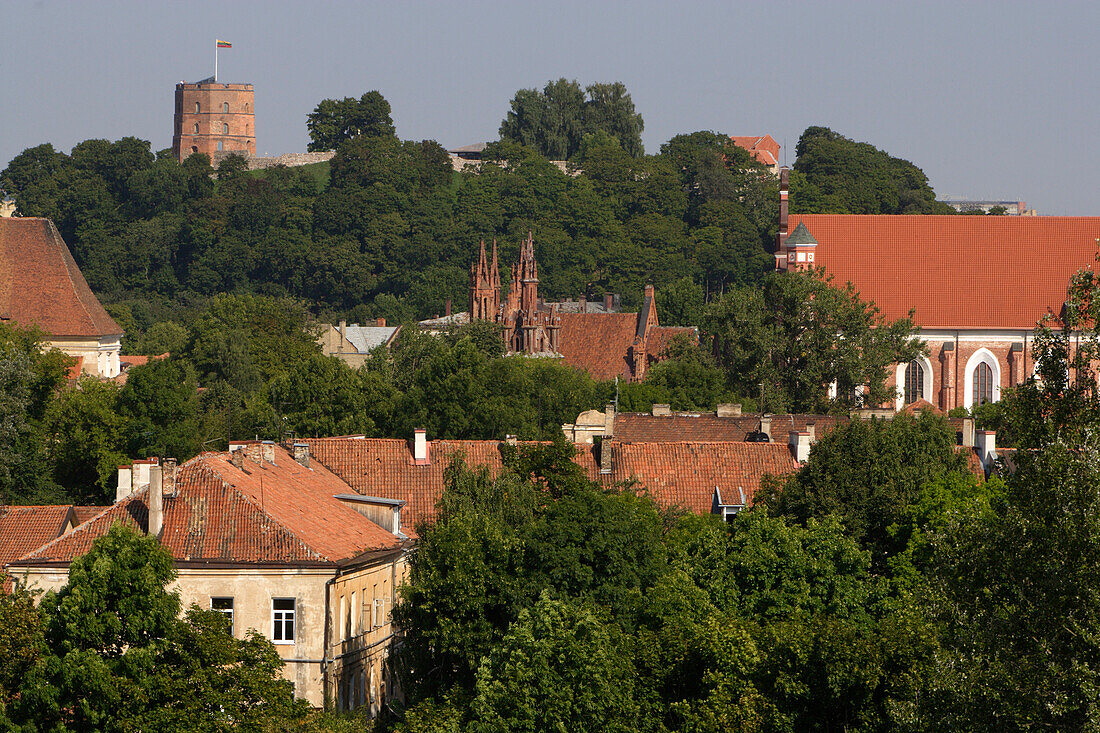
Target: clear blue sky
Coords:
[(992, 100)]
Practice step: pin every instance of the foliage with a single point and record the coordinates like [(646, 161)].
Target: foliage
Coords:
[(836, 175), (21, 641), (797, 334), (562, 117), (333, 122)]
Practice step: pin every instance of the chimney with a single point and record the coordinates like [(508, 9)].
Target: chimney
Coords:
[(766, 426), (583, 303), (607, 302), (968, 432), (648, 292), (237, 458), (343, 337), (811, 428), (728, 409), (420, 447), (661, 410), (605, 455), (301, 453), (986, 443), (380, 322), (168, 476), (267, 450), (125, 483), (609, 421), (448, 307), (511, 439), (155, 501), (141, 473), (799, 443)]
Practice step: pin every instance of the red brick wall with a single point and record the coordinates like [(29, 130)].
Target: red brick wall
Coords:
[(211, 118)]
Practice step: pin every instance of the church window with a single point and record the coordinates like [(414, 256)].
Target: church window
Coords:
[(225, 106), (914, 382), (983, 384), (225, 128), (197, 108)]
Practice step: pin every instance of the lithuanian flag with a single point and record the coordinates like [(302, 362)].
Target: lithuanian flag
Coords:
[(225, 44)]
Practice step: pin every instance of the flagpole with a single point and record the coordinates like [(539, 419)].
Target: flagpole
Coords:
[(215, 61)]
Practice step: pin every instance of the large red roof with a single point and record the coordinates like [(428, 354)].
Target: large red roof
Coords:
[(643, 427), (599, 343), (995, 272), (41, 285), (26, 528), (764, 148), (262, 513), (674, 474)]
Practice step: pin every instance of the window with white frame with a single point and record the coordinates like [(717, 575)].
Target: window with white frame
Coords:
[(914, 382), (983, 378), (224, 606), (983, 384), (282, 620)]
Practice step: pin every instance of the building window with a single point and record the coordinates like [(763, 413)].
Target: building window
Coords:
[(983, 384), (353, 622), (219, 146), (225, 106), (194, 149), (196, 132), (225, 128), (914, 382), (197, 108), (282, 620), (224, 606)]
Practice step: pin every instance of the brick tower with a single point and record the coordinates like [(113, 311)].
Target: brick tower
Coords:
[(212, 118), (485, 287)]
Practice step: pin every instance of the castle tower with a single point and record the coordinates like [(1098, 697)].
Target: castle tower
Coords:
[(484, 286), (528, 273), (213, 118)]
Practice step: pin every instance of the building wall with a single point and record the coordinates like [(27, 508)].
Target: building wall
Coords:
[(101, 356), (204, 104), (334, 343)]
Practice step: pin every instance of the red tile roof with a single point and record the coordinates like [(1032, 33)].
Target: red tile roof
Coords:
[(262, 513), (599, 343), (765, 149), (26, 528), (83, 513), (939, 265), (661, 336), (639, 427), (41, 285), (685, 475), (675, 474)]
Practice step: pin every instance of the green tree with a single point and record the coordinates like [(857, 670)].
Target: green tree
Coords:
[(334, 121), (798, 334), (87, 439), (21, 641)]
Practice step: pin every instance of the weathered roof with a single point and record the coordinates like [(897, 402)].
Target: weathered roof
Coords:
[(262, 513), (598, 343), (365, 338), (995, 272), (642, 427), (25, 528), (41, 285)]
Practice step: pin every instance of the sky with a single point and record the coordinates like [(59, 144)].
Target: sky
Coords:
[(993, 100)]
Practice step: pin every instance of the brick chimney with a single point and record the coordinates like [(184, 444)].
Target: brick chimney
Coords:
[(648, 294), (301, 453), (125, 482), (607, 301), (236, 457), (343, 337), (421, 455), (448, 307), (155, 501), (168, 476), (766, 426), (380, 321), (799, 443), (267, 451), (605, 455)]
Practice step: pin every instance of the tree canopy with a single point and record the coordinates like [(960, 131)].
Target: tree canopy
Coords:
[(335, 121)]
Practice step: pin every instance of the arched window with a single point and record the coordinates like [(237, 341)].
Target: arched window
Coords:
[(194, 149), (225, 128), (219, 146), (197, 108), (914, 382), (196, 128), (225, 106), (246, 129), (983, 384), (246, 107)]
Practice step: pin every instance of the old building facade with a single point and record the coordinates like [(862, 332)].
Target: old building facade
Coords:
[(213, 117)]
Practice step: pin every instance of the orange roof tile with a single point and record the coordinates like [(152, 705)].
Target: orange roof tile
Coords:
[(998, 272), (82, 514), (41, 285), (765, 149), (262, 513), (26, 528), (599, 343), (640, 427)]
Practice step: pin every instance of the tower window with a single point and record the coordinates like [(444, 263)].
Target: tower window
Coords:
[(225, 106), (196, 128), (219, 146), (197, 108), (194, 149), (914, 382), (225, 128), (983, 384)]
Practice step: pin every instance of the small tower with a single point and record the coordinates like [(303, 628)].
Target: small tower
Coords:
[(528, 273), (484, 286), (799, 248), (214, 118)]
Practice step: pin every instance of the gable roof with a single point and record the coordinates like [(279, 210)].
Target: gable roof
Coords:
[(25, 528), (764, 148), (41, 285), (939, 264), (642, 427), (260, 514), (674, 474), (600, 343)]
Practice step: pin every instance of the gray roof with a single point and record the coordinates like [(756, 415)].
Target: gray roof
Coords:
[(365, 338), (801, 235)]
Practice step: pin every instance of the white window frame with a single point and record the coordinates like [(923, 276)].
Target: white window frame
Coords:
[(229, 613), (279, 620), (926, 364), (982, 355)]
